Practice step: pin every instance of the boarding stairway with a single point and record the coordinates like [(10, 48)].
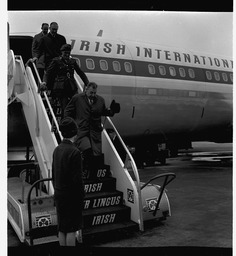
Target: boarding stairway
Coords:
[(113, 198), (104, 208)]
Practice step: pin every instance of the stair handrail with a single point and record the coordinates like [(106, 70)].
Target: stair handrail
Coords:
[(46, 98), (24, 69), (29, 204), (130, 157), (11, 72), (134, 169), (167, 180)]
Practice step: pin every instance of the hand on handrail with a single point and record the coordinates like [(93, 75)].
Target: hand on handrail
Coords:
[(28, 61), (34, 59), (43, 86), (31, 60)]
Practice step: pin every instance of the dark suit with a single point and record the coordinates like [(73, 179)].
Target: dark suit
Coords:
[(68, 185), (50, 47), (88, 118)]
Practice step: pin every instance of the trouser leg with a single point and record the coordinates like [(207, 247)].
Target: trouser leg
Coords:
[(64, 101), (41, 73), (87, 162)]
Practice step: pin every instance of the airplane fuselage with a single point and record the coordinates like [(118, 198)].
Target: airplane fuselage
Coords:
[(163, 91), (167, 95)]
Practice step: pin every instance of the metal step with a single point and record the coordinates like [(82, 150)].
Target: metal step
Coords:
[(87, 232), (43, 240), (99, 171), (103, 199), (41, 231), (109, 215), (99, 185)]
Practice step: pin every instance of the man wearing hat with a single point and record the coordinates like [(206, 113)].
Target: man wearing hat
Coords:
[(59, 77), (68, 184)]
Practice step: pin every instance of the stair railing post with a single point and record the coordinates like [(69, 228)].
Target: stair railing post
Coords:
[(135, 171)]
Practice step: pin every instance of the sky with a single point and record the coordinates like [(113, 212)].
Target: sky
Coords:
[(207, 32)]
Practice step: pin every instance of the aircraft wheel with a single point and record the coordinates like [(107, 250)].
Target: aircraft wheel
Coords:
[(163, 160), (174, 152)]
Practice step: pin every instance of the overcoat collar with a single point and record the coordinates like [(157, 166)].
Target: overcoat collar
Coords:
[(66, 141), (86, 98)]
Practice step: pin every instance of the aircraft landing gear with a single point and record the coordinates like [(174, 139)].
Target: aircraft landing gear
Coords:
[(144, 156)]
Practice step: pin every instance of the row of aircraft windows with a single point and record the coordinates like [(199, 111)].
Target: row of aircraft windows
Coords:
[(104, 65), (191, 73), (172, 71), (162, 70), (217, 76)]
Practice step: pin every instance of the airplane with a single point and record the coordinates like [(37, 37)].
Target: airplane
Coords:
[(169, 96)]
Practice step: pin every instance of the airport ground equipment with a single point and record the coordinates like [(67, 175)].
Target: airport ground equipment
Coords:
[(115, 198), (154, 198)]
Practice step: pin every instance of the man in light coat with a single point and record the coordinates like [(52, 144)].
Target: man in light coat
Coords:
[(35, 44)]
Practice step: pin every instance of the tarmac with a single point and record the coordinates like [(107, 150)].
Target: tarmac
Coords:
[(201, 202)]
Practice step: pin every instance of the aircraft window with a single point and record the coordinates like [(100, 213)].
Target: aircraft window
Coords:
[(151, 69), (90, 64), (172, 71), (191, 73), (208, 75), (162, 70), (128, 67), (217, 76), (103, 65), (116, 66), (231, 77), (225, 77), (182, 72), (78, 61)]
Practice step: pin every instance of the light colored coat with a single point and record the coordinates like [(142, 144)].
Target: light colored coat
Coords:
[(35, 44)]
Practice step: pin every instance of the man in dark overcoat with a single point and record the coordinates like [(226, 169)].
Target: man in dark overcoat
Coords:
[(68, 184), (35, 44), (87, 109), (50, 45)]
